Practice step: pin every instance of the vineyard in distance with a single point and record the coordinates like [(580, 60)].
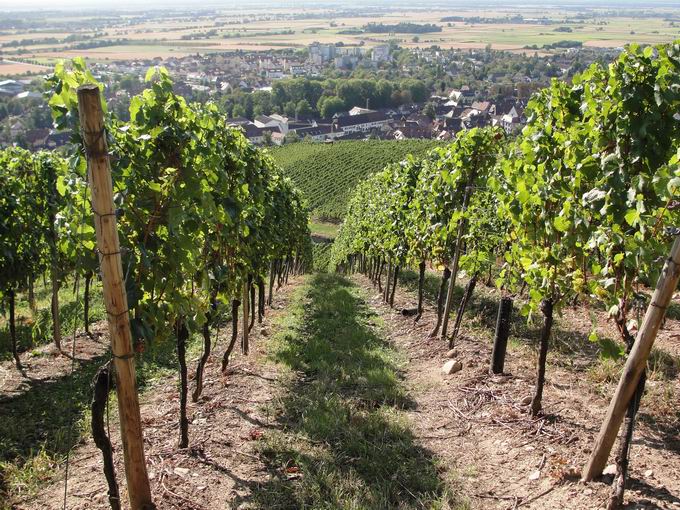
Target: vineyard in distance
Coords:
[(193, 322), (328, 173)]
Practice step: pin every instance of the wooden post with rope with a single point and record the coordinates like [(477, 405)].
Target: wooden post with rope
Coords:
[(115, 298), (454, 266), (246, 316), (636, 363)]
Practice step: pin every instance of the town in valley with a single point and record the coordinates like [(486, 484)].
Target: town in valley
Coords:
[(319, 74)]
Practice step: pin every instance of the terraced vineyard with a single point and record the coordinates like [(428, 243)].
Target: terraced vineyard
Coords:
[(327, 174)]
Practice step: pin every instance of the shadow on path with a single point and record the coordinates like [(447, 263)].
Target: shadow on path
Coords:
[(343, 442)]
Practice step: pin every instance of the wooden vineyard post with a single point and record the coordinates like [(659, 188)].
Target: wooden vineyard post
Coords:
[(54, 256), (500, 342), (246, 318), (115, 298), (454, 266), (636, 363)]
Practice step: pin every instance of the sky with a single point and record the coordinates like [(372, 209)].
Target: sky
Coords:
[(18, 5)]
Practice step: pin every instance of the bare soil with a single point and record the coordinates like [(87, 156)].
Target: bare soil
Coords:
[(45, 364), (219, 469), (475, 424), (478, 424)]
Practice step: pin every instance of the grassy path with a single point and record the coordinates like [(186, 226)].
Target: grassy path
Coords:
[(342, 439)]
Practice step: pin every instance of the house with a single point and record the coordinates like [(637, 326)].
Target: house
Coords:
[(363, 122), (380, 53), (319, 133), (357, 110), (58, 138), (10, 88), (257, 134), (238, 121), (28, 95), (410, 129), (448, 125), (421, 120), (275, 74), (298, 70), (511, 124), (463, 95), (37, 138), (16, 129), (272, 121), (483, 107)]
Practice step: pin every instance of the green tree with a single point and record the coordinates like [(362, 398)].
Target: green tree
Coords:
[(303, 109), (289, 109), (330, 106), (430, 110)]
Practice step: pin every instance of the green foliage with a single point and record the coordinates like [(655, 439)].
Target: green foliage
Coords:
[(589, 184), (326, 174), (633, 104), (582, 196), (410, 211), (301, 96), (28, 205), (539, 188), (200, 209), (446, 174)]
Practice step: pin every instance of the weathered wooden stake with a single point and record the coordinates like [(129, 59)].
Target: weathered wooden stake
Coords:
[(500, 342), (636, 363), (454, 266), (115, 299), (246, 315), (54, 256)]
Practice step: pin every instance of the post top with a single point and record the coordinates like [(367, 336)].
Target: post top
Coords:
[(88, 87)]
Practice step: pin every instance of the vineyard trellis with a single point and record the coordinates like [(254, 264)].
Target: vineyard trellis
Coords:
[(202, 217), (576, 207), (328, 173)]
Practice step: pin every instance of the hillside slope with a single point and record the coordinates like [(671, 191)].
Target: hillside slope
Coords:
[(327, 173)]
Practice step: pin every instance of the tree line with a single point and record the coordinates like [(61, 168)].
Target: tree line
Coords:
[(324, 97)]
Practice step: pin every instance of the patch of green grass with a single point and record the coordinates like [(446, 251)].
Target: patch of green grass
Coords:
[(329, 230), (662, 365), (605, 371), (321, 252), (36, 329), (26, 479), (344, 441)]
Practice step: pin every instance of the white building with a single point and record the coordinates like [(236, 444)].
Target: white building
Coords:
[(363, 122), (380, 53), (272, 121), (319, 54)]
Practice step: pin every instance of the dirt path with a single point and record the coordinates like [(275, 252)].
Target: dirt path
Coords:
[(356, 414), (45, 364), (477, 423), (220, 468)]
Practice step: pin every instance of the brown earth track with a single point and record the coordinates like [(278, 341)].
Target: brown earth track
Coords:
[(220, 468), (477, 425)]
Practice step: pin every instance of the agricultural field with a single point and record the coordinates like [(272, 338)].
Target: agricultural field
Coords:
[(327, 173), (178, 34)]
